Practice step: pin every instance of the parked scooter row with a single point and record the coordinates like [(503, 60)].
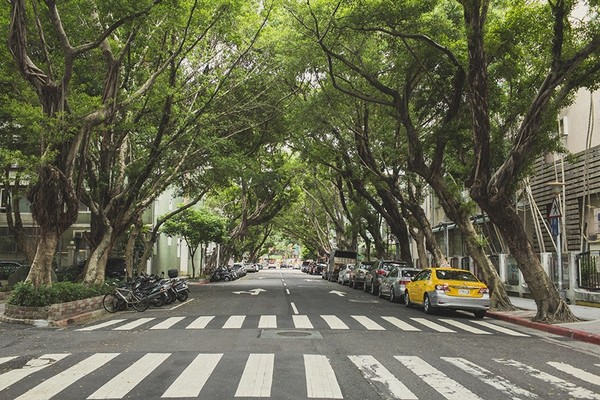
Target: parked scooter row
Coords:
[(160, 290), (228, 274)]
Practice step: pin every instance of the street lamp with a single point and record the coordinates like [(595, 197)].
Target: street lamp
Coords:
[(555, 215)]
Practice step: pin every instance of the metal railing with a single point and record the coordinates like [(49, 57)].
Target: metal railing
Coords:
[(588, 270)]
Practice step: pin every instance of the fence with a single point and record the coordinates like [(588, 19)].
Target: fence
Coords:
[(588, 276)]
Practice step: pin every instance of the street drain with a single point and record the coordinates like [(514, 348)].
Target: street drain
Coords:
[(289, 334)]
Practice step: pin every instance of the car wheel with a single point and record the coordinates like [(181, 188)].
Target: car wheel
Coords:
[(227, 279), (392, 295), (407, 302), (479, 313), (427, 305)]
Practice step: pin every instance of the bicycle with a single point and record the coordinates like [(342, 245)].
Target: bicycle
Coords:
[(122, 298)]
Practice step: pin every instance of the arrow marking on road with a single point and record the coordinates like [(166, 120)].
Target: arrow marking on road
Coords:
[(253, 292), (341, 294)]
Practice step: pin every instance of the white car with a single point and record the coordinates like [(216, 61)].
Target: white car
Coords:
[(344, 275)]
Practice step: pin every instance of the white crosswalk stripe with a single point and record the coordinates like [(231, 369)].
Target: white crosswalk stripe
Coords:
[(167, 323), (194, 377), (35, 365), (53, 386), (234, 322), (321, 382), (445, 386), (433, 325), (302, 322), (63, 377), (401, 324), (500, 329), (465, 327), (200, 322), (509, 390), (384, 382), (120, 385), (368, 323), (257, 378), (572, 390), (334, 322), (133, 324), (6, 359)]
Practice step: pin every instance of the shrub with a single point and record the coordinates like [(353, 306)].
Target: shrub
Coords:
[(25, 294)]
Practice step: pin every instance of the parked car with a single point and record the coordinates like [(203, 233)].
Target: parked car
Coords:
[(448, 288), (376, 274), (115, 268), (358, 273), (252, 267), (344, 274), (7, 268), (239, 270), (319, 268), (394, 283)]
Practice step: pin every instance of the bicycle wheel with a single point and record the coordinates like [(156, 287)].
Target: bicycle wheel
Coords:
[(110, 303), (140, 302)]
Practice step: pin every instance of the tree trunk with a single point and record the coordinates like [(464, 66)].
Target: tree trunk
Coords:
[(96, 264), (550, 307), (40, 272), (499, 297)]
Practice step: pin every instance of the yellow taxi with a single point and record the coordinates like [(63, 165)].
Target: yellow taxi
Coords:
[(449, 288)]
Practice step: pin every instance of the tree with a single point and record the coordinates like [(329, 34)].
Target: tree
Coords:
[(196, 227), (69, 114), (547, 66), (420, 81)]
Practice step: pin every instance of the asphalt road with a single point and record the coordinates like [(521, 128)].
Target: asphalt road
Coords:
[(287, 335)]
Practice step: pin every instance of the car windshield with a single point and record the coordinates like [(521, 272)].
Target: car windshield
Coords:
[(409, 273), (389, 266), (455, 275)]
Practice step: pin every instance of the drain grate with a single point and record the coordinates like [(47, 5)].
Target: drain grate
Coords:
[(289, 334)]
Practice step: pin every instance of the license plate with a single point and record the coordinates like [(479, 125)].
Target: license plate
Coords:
[(464, 292)]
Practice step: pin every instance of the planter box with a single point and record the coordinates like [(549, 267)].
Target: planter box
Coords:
[(54, 312)]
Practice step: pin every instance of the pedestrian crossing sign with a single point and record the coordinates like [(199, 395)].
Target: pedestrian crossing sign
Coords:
[(554, 209)]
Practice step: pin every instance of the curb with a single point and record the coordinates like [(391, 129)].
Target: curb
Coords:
[(555, 329)]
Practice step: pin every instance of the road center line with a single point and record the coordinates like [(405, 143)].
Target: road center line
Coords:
[(287, 291), (294, 308)]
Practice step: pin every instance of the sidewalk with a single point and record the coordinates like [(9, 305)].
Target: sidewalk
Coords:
[(586, 330)]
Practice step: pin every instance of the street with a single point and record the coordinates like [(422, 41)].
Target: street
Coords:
[(282, 334)]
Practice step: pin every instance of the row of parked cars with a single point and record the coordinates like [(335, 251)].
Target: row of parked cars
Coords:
[(429, 288)]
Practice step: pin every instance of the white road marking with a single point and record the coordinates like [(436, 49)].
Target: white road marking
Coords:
[(6, 359), (510, 390), (287, 291), (267, 321), (321, 382), (302, 322), (167, 323), (368, 323), (257, 378), (433, 325), (56, 384), (194, 377), (334, 322), (401, 324), (120, 385), (200, 322), (102, 325), (465, 327), (385, 383), (133, 324), (573, 390), (445, 386), (500, 329), (34, 365), (576, 372), (234, 322), (294, 308)]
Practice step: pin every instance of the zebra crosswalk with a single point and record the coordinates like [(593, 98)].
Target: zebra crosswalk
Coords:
[(262, 375), (321, 322)]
